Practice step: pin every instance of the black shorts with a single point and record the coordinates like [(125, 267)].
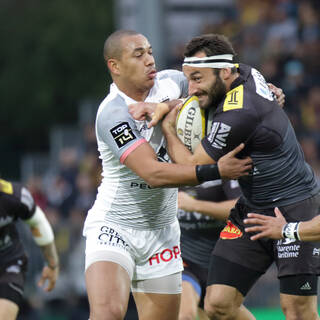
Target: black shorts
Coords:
[(291, 257), (12, 279), (196, 275)]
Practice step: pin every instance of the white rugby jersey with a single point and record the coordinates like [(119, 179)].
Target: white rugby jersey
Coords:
[(123, 197)]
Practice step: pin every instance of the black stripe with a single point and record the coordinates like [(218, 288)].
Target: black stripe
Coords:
[(209, 61)]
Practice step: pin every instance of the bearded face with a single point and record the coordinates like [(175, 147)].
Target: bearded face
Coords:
[(215, 93)]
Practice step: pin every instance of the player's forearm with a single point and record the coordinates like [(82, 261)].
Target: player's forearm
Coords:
[(177, 151), (216, 210), (171, 175), (50, 254), (310, 230)]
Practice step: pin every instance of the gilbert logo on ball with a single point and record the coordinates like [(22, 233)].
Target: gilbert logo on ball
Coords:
[(191, 123)]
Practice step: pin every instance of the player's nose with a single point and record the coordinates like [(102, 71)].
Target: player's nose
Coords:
[(192, 89)]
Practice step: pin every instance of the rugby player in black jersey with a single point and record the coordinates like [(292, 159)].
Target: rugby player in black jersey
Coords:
[(245, 111), (203, 211), (16, 202)]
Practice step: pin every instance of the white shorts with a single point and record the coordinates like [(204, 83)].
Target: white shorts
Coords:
[(144, 254)]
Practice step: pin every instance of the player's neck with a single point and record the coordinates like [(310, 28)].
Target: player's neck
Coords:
[(133, 92), (230, 80)]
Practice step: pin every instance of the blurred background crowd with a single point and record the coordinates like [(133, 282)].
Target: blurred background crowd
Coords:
[(53, 78)]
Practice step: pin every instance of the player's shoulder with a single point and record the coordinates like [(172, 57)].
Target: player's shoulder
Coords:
[(10, 188), (249, 89), (113, 107), (16, 192), (169, 73)]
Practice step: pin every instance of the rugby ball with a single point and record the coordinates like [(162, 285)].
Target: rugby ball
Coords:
[(191, 123)]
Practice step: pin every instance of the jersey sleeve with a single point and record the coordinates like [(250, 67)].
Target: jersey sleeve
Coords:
[(118, 132), (17, 200), (231, 189), (229, 129)]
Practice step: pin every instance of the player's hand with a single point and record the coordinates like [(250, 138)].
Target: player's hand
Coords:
[(50, 276), (281, 97), (169, 122), (185, 201), (265, 226), (142, 110), (231, 167)]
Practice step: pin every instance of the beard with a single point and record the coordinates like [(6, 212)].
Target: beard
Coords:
[(216, 93)]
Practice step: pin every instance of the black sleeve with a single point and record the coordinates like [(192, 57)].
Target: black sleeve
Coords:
[(231, 189), (229, 129), (20, 203)]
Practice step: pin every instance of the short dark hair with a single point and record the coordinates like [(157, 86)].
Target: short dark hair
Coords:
[(113, 46), (211, 44)]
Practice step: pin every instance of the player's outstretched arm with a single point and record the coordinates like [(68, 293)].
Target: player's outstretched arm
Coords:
[(217, 210), (277, 227), (230, 167), (44, 238), (265, 226), (50, 272)]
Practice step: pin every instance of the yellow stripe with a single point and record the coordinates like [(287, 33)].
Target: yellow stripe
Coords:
[(203, 124)]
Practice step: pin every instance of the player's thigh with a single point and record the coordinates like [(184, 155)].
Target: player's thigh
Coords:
[(108, 285), (189, 301), (158, 298), (157, 306), (8, 309)]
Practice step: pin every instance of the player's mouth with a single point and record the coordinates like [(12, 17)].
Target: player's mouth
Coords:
[(152, 74)]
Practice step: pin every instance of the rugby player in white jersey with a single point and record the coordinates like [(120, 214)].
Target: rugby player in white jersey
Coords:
[(132, 232)]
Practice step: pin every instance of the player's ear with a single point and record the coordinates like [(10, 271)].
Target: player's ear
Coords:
[(113, 66), (225, 73)]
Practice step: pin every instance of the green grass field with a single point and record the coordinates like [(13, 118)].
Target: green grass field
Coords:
[(268, 314)]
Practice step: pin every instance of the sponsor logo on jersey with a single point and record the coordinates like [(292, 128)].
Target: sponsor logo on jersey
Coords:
[(234, 99), (286, 249), (122, 134), (316, 252), (165, 255), (230, 231), (262, 88), (219, 133), (139, 185), (111, 237)]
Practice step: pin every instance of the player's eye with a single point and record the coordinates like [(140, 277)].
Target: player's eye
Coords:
[(196, 79)]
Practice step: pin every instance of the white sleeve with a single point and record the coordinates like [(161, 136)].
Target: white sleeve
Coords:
[(40, 227)]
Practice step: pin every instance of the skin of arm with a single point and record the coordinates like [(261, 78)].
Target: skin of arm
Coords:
[(216, 210), (143, 161), (43, 235), (50, 272), (271, 227)]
